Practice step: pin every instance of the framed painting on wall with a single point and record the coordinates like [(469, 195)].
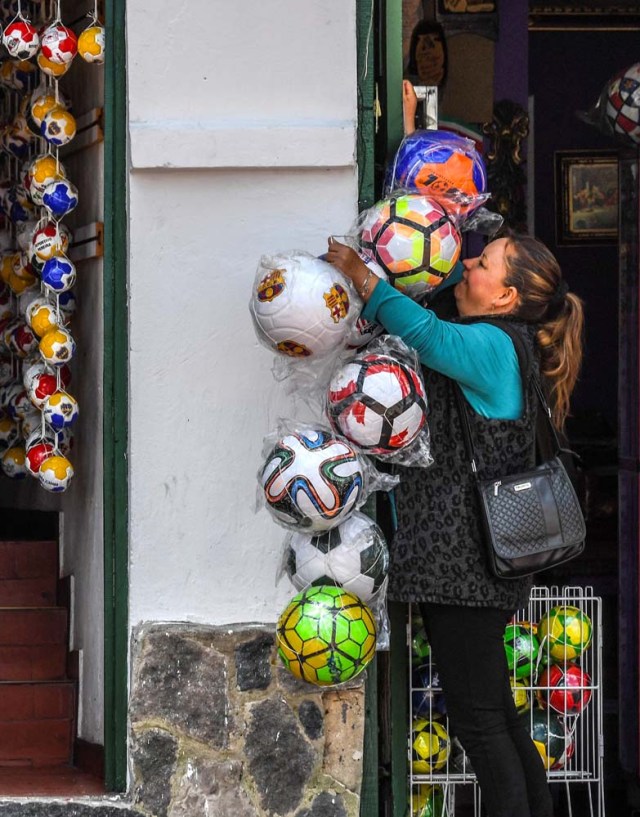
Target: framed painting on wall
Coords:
[(586, 184)]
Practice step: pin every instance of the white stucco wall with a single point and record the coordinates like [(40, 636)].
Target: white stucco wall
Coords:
[(242, 143)]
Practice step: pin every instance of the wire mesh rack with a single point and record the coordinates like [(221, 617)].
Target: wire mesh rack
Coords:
[(554, 651)]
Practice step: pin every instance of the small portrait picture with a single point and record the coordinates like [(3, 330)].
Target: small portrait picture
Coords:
[(586, 197)]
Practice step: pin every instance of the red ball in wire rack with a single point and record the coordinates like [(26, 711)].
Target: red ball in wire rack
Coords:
[(566, 689)]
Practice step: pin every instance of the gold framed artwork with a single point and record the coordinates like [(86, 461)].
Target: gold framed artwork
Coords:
[(586, 197)]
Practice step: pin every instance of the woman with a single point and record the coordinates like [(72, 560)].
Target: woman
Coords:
[(437, 555)]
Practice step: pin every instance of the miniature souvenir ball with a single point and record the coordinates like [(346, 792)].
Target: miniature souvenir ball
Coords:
[(91, 44)]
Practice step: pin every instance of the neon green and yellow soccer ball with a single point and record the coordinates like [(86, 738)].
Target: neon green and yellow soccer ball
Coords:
[(430, 746), (326, 636), (565, 632), (428, 801)]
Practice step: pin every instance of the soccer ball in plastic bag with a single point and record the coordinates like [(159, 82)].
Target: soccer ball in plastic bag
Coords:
[(300, 305), (430, 746), (565, 632), (623, 103), (352, 555), (312, 480), (326, 636), (548, 734), (522, 648), (442, 165), (413, 240), (565, 689), (377, 402)]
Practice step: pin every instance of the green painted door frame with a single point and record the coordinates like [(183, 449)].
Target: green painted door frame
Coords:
[(115, 428)]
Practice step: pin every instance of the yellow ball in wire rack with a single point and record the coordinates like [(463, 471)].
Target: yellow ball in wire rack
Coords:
[(91, 44), (52, 69), (57, 347), (55, 474), (430, 746)]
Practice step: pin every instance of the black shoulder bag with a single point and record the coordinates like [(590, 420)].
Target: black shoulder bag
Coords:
[(533, 520)]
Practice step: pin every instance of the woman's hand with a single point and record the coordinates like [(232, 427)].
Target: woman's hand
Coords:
[(350, 264), (409, 107)]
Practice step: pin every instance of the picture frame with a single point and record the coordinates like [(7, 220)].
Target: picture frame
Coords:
[(586, 183)]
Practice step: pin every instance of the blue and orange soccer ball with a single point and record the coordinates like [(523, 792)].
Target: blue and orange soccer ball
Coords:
[(413, 240), (326, 636), (442, 165)]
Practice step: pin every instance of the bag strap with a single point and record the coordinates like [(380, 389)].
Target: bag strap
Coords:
[(525, 361)]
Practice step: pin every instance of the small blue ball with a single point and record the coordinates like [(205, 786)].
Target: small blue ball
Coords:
[(58, 273)]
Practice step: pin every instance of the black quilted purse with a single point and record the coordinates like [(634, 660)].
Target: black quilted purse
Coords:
[(533, 520)]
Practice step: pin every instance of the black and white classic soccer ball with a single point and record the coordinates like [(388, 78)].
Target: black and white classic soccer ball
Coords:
[(353, 555), (378, 403)]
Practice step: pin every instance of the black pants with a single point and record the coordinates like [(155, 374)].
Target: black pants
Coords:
[(468, 651)]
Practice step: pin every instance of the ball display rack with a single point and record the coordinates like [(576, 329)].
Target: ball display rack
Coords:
[(579, 766)]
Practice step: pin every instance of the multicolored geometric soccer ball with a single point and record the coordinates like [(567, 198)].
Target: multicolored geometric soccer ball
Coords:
[(413, 240), (430, 746), (428, 801), (300, 306), (326, 636), (312, 480), (522, 648), (55, 474), (565, 632), (565, 689), (548, 734), (623, 103), (377, 402), (442, 165), (427, 698), (353, 555)]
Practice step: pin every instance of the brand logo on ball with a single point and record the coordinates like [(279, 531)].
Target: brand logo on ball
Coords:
[(337, 301), (293, 349), (271, 285)]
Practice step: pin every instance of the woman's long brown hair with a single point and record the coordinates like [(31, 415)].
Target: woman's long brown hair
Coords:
[(533, 270)]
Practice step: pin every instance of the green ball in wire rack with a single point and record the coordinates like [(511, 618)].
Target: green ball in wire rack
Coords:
[(428, 801), (521, 647)]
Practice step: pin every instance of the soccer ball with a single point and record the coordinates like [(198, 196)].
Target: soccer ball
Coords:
[(428, 801), (623, 103), (9, 432), (22, 341), (42, 171), (326, 636), (420, 647), (565, 689), (522, 648), (363, 332), (427, 699), (21, 39), (442, 165), (353, 555), (41, 104), (55, 473), (50, 240), (19, 75), (58, 126), (37, 453), (312, 480), (52, 69), (548, 734), (565, 632), (430, 746), (59, 273), (60, 197), (301, 306), (59, 44), (41, 315), (377, 402), (13, 462), (57, 347), (41, 387), (91, 44), (60, 410), (521, 697), (413, 240)]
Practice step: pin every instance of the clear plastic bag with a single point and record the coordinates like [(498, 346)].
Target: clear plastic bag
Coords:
[(311, 480), (616, 112), (377, 401)]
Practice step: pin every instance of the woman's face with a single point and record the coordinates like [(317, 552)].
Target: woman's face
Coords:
[(482, 290), (430, 59)]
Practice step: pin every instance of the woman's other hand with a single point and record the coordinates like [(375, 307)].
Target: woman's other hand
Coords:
[(350, 264), (409, 107)]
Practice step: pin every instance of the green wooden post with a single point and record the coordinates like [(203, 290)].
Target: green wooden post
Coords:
[(366, 98), (392, 99), (115, 429)]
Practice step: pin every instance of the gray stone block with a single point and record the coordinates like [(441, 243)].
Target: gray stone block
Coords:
[(280, 760), (311, 718), (253, 667), (326, 804), (212, 788), (154, 756)]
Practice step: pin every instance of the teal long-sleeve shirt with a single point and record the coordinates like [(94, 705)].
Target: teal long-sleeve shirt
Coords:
[(480, 356)]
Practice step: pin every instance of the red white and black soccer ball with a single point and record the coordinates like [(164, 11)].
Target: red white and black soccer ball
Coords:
[(566, 689), (311, 480), (623, 103), (378, 403)]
